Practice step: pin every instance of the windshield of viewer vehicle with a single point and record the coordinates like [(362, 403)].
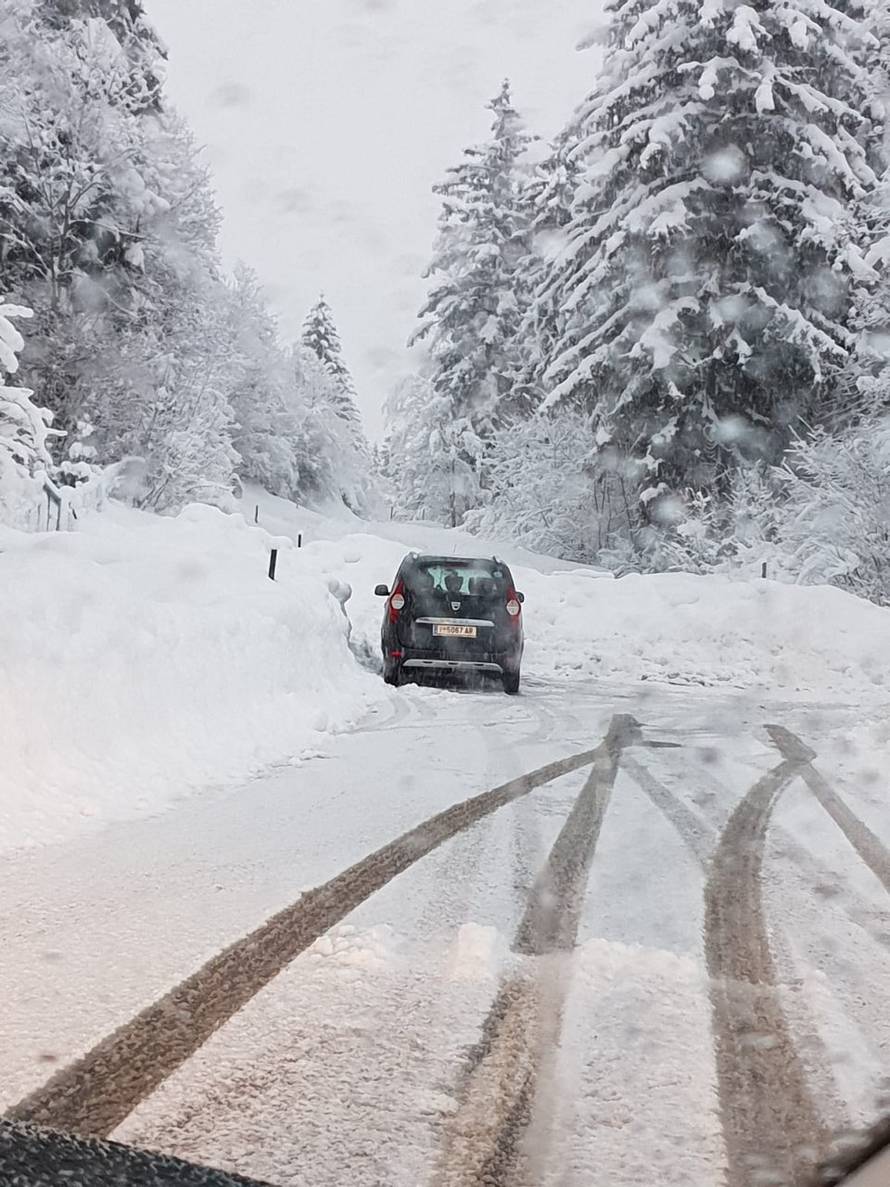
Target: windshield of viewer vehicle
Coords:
[(444, 593)]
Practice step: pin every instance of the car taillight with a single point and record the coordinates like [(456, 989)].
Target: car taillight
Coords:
[(396, 602), (513, 607)]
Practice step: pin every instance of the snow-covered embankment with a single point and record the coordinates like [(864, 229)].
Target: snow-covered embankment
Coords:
[(144, 657)]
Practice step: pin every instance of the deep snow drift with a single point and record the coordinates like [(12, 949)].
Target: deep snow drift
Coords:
[(142, 657), (145, 658)]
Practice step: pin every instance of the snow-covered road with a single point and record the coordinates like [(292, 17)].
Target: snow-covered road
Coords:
[(589, 971)]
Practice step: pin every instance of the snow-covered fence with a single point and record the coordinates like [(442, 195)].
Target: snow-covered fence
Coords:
[(53, 500), (64, 504), (57, 508), (60, 510), (37, 504)]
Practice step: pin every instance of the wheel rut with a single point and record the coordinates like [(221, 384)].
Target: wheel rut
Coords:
[(870, 849), (751, 1033), (772, 1129), (484, 1138), (695, 834), (92, 1096)]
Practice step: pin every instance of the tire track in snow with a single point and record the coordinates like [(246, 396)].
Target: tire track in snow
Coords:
[(872, 850), (483, 1139), (92, 1096), (770, 1122), (546, 722), (550, 923), (700, 837), (693, 832), (771, 1127), (699, 833), (400, 709)]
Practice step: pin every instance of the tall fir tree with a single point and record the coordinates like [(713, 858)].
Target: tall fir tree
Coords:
[(471, 317), (714, 254), (267, 433), (334, 459), (432, 454), (547, 196), (865, 389), (320, 336)]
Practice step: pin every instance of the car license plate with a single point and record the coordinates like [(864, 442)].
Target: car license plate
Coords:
[(454, 632)]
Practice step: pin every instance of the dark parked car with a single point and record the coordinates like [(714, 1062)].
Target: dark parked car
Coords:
[(452, 614)]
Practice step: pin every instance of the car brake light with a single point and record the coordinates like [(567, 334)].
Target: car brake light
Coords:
[(396, 602)]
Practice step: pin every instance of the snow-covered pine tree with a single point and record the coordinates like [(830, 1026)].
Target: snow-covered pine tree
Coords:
[(382, 478), (835, 525), (108, 230), (471, 317), (320, 336), (183, 425), (877, 21), (864, 390), (713, 252), (72, 169), (333, 458), (430, 449), (548, 492), (160, 377), (127, 21), (547, 198), (77, 197), (267, 430)]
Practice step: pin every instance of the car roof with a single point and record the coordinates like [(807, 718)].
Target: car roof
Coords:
[(454, 561)]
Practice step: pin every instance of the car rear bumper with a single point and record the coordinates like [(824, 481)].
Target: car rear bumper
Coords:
[(454, 665)]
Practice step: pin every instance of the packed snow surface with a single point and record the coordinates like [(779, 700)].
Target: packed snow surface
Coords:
[(145, 658)]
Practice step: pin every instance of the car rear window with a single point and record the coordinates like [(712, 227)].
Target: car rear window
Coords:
[(475, 580)]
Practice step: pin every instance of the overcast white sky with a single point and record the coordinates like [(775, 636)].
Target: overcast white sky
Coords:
[(327, 122)]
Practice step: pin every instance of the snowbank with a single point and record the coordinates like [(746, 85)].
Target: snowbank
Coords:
[(708, 630), (144, 657)]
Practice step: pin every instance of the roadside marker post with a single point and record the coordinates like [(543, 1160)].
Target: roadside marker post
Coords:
[(273, 563)]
